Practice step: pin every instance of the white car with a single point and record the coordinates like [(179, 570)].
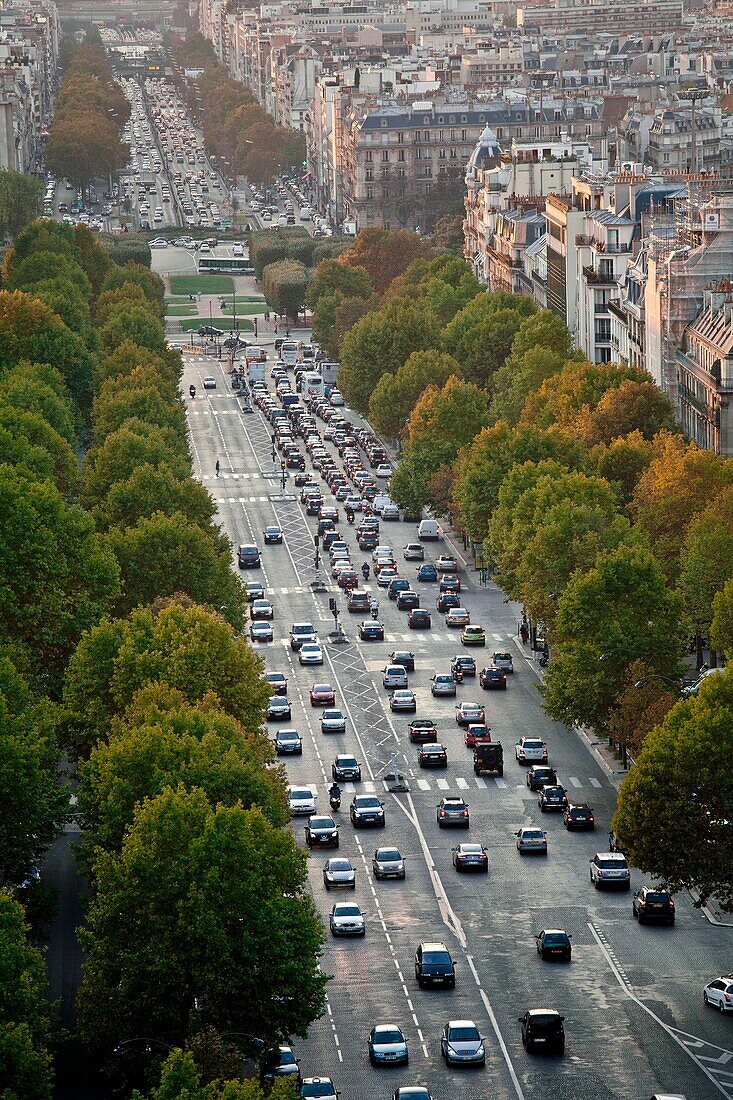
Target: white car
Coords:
[(531, 839), (310, 654), (719, 993), (237, 250), (346, 919), (503, 661), (336, 398), (301, 801), (394, 676), (383, 470), (531, 750), (159, 242)]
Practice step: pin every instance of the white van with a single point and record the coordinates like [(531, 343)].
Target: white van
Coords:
[(428, 529)]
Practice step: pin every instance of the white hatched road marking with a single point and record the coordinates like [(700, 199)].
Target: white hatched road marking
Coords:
[(575, 781), (594, 782)]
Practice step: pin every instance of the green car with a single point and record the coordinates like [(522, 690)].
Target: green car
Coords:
[(473, 635)]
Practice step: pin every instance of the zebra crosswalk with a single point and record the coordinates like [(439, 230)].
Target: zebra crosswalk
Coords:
[(455, 784)]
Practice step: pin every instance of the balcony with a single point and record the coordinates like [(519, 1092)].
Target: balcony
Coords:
[(595, 277)]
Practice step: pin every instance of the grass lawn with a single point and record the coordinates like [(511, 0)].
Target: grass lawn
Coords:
[(241, 299), (182, 311), (224, 323), (207, 284)]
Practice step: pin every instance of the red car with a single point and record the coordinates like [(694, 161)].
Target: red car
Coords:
[(347, 581), (322, 695), (475, 733)]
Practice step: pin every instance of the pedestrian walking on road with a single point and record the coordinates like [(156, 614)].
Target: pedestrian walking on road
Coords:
[(523, 633), (217, 467), (276, 328)]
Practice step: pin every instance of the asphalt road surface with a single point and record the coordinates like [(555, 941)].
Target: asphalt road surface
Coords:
[(632, 996)]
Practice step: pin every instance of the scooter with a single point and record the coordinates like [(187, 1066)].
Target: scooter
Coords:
[(458, 676), (375, 613), (349, 517), (365, 571), (192, 391), (334, 801)]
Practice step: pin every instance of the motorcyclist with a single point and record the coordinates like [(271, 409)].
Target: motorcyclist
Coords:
[(458, 674), (192, 390), (349, 515), (365, 570), (374, 608), (334, 794)]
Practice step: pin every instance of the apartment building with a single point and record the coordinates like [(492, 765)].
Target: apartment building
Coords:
[(492, 66), (570, 17), (29, 47), (686, 140), (705, 366)]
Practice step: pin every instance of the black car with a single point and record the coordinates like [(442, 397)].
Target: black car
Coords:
[(552, 798), (301, 479), (447, 600), (273, 536), (542, 1029), (554, 943), (278, 681), (492, 679), (403, 657), (422, 731), (346, 769), (321, 832), (579, 815), (368, 541), (280, 1062), (408, 600), (541, 775), (434, 966), (371, 631), (433, 755), (651, 904), (366, 809), (248, 557), (209, 330), (288, 743), (419, 619)]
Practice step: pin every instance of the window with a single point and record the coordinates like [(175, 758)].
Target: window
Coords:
[(385, 192), (452, 134), (400, 139), (441, 154), (370, 192), (454, 154), (401, 173), (369, 155), (464, 134), (384, 122), (441, 135), (452, 119), (385, 154), (369, 174), (385, 171), (401, 155)]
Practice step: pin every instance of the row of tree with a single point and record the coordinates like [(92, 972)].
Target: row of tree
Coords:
[(612, 529), (237, 130), (85, 138)]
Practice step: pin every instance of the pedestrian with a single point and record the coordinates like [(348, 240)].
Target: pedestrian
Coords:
[(217, 467), (523, 633), (267, 316), (276, 328), (255, 328)]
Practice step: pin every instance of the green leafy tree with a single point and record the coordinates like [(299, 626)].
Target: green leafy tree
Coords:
[(129, 294), (82, 147), (29, 330), (64, 299), (27, 1070), (488, 459), (129, 357), (284, 285), (680, 483), (621, 610), (151, 489), (134, 444), (333, 276), (706, 562), (56, 577), (181, 1078), (164, 555), (519, 376), (385, 254), (396, 395), (40, 388), (41, 236), (46, 264), (381, 343), (674, 805), (164, 741), (128, 248), (143, 396), (34, 801), (26, 438), (202, 906), (176, 642), (623, 461), (480, 336), (136, 323), (139, 274), (721, 632), (20, 201), (448, 233), (642, 705)]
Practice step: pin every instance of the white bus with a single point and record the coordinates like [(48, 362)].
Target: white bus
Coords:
[(290, 352), (312, 385)]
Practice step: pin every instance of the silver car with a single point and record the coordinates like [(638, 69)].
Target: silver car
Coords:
[(333, 721), (346, 919), (338, 872), (461, 1043), (531, 839), (388, 1046), (388, 863), (394, 676), (442, 685)]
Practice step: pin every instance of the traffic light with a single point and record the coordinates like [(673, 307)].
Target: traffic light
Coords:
[(331, 604), (282, 465)]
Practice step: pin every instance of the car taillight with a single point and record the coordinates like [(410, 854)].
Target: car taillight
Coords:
[(728, 997), (671, 903)]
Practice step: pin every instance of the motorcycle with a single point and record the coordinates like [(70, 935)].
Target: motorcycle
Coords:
[(375, 613), (192, 391), (458, 676), (334, 799), (544, 660), (365, 571), (349, 517)]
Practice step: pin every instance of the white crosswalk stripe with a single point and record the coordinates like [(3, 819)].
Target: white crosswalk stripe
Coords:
[(370, 786), (499, 782), (423, 784), (594, 782), (480, 782), (462, 784), (443, 784), (575, 781)]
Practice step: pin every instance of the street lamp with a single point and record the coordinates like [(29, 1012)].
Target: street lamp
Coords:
[(657, 676)]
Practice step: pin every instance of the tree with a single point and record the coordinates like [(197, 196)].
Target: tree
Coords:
[(56, 577), (82, 147), (721, 631), (26, 438), (380, 343), (40, 388), (519, 376), (34, 802), (333, 276), (20, 201), (622, 462), (151, 489), (46, 264), (488, 459), (27, 1070), (480, 336), (163, 555), (143, 396), (448, 233), (175, 642), (202, 907), (284, 285), (680, 482), (65, 299), (139, 274), (621, 610), (673, 811), (164, 741), (136, 323), (630, 407), (129, 294), (444, 285), (568, 398), (128, 357), (29, 330), (706, 560), (132, 445), (128, 248), (643, 704), (396, 395), (181, 1078), (384, 254), (548, 524)]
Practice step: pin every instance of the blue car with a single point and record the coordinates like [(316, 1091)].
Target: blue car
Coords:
[(427, 573)]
